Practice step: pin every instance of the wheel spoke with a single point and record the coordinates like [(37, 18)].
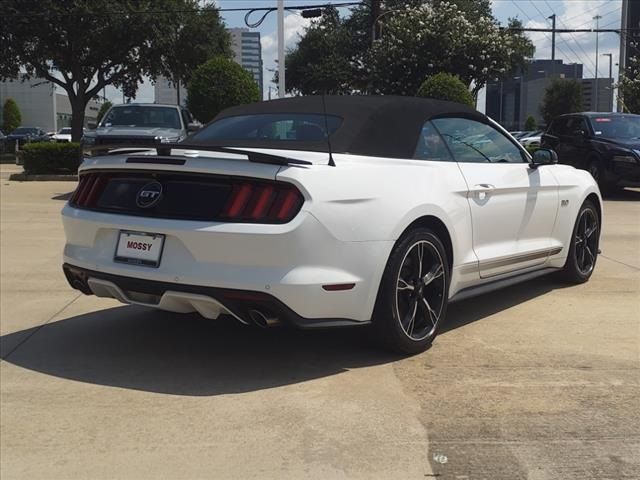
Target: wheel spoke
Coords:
[(432, 315), (404, 285), (420, 251), (412, 318), (591, 231), (436, 272), (586, 247)]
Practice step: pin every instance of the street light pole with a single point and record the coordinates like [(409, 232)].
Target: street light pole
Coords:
[(610, 55), (595, 96), (281, 73)]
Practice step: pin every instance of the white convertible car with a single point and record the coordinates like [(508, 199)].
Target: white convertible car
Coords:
[(330, 211)]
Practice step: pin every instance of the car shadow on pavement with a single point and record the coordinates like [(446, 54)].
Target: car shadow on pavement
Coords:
[(155, 351), (471, 310)]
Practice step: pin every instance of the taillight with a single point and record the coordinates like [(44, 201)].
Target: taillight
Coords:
[(262, 202), (90, 186)]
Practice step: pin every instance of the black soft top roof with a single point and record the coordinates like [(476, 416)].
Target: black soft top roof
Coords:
[(382, 126)]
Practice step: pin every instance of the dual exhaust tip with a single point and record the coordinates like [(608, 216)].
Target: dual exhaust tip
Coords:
[(263, 319)]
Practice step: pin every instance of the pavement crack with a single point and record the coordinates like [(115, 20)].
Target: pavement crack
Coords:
[(39, 327), (621, 263)]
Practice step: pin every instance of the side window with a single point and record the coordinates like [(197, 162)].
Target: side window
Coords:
[(579, 127), (430, 145), (472, 141), (560, 126), (186, 117)]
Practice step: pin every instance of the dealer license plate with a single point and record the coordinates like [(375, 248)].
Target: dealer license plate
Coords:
[(139, 248)]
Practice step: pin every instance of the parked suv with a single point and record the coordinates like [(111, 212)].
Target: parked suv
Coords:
[(141, 124), (605, 144)]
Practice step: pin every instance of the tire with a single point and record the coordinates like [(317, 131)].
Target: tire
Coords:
[(597, 171), (583, 250), (409, 312)]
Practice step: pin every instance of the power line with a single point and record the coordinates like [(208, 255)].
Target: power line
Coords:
[(563, 40), (603, 15), (572, 36), (535, 30), (173, 12)]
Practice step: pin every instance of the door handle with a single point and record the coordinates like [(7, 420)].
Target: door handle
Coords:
[(481, 190), (481, 187)]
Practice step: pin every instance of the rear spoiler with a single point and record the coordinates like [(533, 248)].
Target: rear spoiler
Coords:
[(165, 151)]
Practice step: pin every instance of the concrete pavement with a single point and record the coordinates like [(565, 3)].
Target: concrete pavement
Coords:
[(540, 381)]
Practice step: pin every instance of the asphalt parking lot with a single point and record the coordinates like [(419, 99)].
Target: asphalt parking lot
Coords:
[(539, 381)]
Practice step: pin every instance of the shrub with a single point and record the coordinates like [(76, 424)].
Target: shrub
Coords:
[(530, 124), (562, 96), (51, 158), (218, 84), (11, 117), (444, 86)]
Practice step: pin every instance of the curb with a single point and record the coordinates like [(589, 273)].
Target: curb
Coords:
[(24, 177)]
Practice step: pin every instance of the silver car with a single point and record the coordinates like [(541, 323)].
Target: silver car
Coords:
[(141, 124)]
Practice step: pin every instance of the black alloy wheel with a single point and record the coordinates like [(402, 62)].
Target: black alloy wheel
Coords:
[(585, 240), (413, 297)]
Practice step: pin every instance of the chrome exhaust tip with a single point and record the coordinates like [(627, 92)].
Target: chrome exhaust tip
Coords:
[(263, 320)]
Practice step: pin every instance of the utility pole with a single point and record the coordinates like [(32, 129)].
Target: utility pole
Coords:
[(610, 55), (553, 41), (281, 84), (375, 13), (595, 96)]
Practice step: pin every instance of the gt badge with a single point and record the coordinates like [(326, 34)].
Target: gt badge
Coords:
[(149, 195)]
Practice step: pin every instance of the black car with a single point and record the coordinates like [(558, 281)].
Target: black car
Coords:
[(24, 135), (605, 144)]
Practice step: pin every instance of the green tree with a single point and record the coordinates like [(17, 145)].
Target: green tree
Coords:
[(83, 45), (11, 117), (419, 42), (201, 37), (415, 40), (103, 109), (530, 124), (218, 84), (629, 86), (320, 63), (562, 96), (444, 86)]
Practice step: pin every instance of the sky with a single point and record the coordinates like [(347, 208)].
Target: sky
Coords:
[(572, 48)]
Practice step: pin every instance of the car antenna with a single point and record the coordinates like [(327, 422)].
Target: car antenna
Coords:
[(326, 127)]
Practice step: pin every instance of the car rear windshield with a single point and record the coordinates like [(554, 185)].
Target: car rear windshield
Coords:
[(23, 130), (141, 116), (277, 127), (617, 126)]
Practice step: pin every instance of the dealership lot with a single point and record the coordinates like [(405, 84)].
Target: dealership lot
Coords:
[(538, 381)]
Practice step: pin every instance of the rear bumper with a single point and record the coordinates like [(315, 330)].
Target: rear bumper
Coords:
[(208, 301), (288, 263)]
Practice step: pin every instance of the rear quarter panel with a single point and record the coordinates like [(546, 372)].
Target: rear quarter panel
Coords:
[(375, 199)]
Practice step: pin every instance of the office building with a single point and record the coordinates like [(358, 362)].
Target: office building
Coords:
[(42, 104), (247, 51), (511, 100), (605, 95)]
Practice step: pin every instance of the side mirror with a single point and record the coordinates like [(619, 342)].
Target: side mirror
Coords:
[(92, 125), (193, 127), (544, 156)]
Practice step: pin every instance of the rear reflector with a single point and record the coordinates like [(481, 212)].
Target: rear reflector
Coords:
[(337, 287)]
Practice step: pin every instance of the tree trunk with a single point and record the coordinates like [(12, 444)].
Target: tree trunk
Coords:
[(78, 104)]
